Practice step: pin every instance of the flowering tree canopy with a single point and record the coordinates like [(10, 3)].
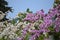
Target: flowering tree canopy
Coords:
[(33, 26)]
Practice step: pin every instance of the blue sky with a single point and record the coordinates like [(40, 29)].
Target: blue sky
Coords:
[(34, 5)]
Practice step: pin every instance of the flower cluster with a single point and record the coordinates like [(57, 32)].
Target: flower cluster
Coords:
[(31, 26)]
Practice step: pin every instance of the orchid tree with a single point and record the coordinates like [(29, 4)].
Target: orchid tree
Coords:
[(33, 26)]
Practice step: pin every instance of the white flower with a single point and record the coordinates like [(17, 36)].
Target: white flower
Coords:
[(14, 29), (19, 24), (2, 15), (45, 34), (32, 26), (25, 25), (2, 24), (11, 36)]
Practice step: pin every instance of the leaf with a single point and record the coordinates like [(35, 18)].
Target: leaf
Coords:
[(28, 10), (27, 37), (13, 21), (19, 14), (51, 28), (18, 33), (41, 37)]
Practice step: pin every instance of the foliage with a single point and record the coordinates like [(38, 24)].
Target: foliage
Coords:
[(4, 8)]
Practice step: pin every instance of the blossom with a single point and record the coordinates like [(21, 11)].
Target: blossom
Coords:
[(19, 38), (2, 15), (57, 24), (33, 37), (33, 17), (33, 24), (26, 28), (40, 13), (44, 26), (29, 17)]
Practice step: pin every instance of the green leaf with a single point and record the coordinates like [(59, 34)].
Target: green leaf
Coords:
[(41, 37), (27, 37), (28, 10), (3, 38), (13, 21), (18, 33), (51, 28)]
